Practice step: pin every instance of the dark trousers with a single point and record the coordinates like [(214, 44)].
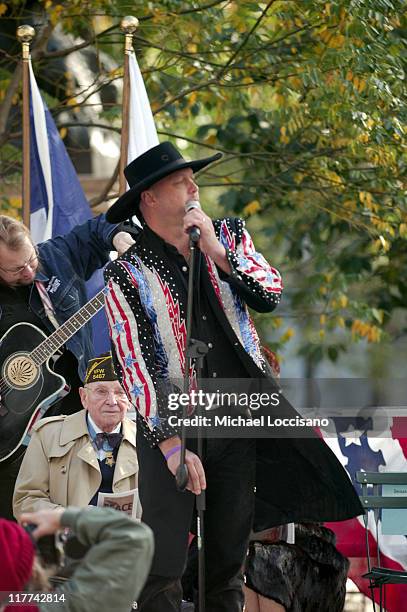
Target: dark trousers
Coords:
[(230, 472), (8, 475)]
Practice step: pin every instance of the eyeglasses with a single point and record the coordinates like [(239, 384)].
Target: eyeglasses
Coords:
[(17, 271), (102, 393)]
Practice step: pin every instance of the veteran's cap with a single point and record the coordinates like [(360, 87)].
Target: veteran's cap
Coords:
[(100, 369)]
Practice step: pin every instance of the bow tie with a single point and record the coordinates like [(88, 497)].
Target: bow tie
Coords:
[(113, 439)]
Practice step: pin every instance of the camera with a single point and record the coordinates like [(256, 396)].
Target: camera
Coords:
[(49, 548), (60, 550)]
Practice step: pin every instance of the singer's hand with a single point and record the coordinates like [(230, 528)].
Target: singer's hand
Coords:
[(196, 473), (208, 243), (122, 241)]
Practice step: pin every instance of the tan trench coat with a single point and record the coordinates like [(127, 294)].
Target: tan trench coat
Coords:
[(60, 466)]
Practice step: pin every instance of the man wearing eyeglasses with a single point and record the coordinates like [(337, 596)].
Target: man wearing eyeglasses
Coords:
[(43, 286), (70, 459), (19, 275)]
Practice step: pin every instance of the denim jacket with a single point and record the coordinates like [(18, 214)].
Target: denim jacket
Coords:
[(66, 262)]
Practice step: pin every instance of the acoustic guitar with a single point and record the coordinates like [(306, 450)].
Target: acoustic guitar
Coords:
[(28, 385)]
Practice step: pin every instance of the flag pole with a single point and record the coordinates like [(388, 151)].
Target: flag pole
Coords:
[(128, 25), (25, 34)]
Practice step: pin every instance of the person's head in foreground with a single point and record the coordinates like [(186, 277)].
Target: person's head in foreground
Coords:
[(20, 566), (118, 549)]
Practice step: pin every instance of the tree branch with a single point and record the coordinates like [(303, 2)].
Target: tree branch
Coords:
[(8, 101), (245, 40), (197, 9), (102, 197), (88, 125)]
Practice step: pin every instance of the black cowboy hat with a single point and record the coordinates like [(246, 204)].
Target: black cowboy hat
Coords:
[(147, 169)]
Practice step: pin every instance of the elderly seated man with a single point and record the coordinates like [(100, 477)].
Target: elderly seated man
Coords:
[(70, 459)]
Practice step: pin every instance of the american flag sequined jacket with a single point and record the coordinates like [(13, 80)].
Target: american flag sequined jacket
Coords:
[(147, 318)]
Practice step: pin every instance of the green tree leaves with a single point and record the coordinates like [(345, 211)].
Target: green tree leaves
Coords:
[(307, 101)]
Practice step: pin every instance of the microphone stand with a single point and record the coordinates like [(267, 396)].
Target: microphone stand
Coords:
[(195, 351)]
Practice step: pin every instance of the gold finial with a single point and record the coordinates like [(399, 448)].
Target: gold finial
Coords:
[(129, 25), (25, 33)]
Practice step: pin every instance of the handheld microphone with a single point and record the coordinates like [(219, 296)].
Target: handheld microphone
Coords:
[(194, 231)]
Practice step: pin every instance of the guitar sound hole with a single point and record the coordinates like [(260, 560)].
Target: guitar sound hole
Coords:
[(20, 371)]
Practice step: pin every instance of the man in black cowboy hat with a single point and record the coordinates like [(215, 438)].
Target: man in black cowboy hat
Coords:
[(146, 310)]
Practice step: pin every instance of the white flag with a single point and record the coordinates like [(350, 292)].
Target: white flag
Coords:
[(142, 131)]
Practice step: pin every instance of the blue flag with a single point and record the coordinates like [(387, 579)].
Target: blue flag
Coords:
[(58, 202)]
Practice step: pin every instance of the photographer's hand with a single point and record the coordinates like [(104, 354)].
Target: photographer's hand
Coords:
[(47, 521)]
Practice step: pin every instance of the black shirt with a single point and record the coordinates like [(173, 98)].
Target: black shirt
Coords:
[(221, 359), (15, 308)]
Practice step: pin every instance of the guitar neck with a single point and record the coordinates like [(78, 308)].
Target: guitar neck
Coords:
[(60, 336)]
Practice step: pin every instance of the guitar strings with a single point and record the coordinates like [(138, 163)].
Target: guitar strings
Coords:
[(43, 352)]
